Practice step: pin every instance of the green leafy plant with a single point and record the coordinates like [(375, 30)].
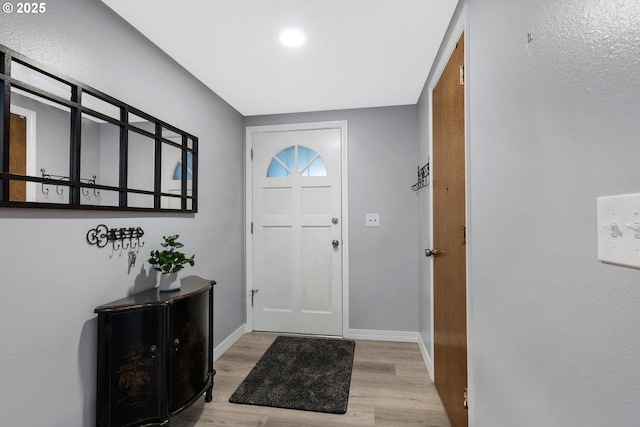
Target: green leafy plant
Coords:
[(170, 260)]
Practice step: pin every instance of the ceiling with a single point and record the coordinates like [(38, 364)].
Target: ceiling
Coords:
[(358, 53)]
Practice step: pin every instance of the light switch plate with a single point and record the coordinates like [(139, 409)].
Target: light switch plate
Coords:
[(372, 219), (619, 229)]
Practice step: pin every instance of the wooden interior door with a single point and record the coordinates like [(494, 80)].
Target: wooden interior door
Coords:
[(18, 157), (449, 233)]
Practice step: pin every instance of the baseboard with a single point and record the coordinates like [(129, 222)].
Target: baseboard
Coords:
[(425, 356), (229, 341), (393, 336)]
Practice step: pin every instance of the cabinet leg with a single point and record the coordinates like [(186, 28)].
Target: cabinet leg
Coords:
[(209, 393)]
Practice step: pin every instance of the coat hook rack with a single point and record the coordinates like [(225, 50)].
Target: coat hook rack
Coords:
[(60, 191), (423, 178), (121, 238)]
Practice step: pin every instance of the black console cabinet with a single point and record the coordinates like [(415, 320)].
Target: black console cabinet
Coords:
[(155, 354)]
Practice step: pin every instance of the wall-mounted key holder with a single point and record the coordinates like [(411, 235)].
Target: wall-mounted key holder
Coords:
[(121, 239)]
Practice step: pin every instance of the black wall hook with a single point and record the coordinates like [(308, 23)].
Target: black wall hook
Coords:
[(423, 178)]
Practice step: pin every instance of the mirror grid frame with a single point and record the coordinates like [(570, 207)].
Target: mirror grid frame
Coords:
[(185, 201)]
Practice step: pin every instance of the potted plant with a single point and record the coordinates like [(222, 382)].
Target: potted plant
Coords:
[(169, 261)]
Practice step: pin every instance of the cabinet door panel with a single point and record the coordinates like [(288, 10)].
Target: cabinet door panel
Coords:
[(137, 361), (189, 344)]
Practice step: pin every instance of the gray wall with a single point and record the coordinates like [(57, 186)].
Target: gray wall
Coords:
[(52, 280), (553, 124), (383, 270)]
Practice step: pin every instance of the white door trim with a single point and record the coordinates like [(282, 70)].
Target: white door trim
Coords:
[(249, 285)]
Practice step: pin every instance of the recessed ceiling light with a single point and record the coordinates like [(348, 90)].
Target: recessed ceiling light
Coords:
[(292, 38)]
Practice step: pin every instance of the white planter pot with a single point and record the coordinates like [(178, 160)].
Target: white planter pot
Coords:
[(169, 282)]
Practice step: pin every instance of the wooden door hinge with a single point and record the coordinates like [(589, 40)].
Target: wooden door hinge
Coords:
[(464, 235), (465, 403), (462, 75)]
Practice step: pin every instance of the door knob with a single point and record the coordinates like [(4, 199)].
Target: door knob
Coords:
[(335, 243), (431, 253)]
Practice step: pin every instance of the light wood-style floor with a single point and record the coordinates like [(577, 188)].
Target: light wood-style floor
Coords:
[(390, 387)]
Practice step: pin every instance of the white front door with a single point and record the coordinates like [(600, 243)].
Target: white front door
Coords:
[(297, 231)]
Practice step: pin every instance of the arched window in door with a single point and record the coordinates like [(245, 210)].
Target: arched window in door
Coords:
[(296, 159), (177, 171)]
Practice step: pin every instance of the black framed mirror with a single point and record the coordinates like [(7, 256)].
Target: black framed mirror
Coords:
[(67, 145)]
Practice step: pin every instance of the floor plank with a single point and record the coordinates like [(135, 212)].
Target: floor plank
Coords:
[(390, 387)]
